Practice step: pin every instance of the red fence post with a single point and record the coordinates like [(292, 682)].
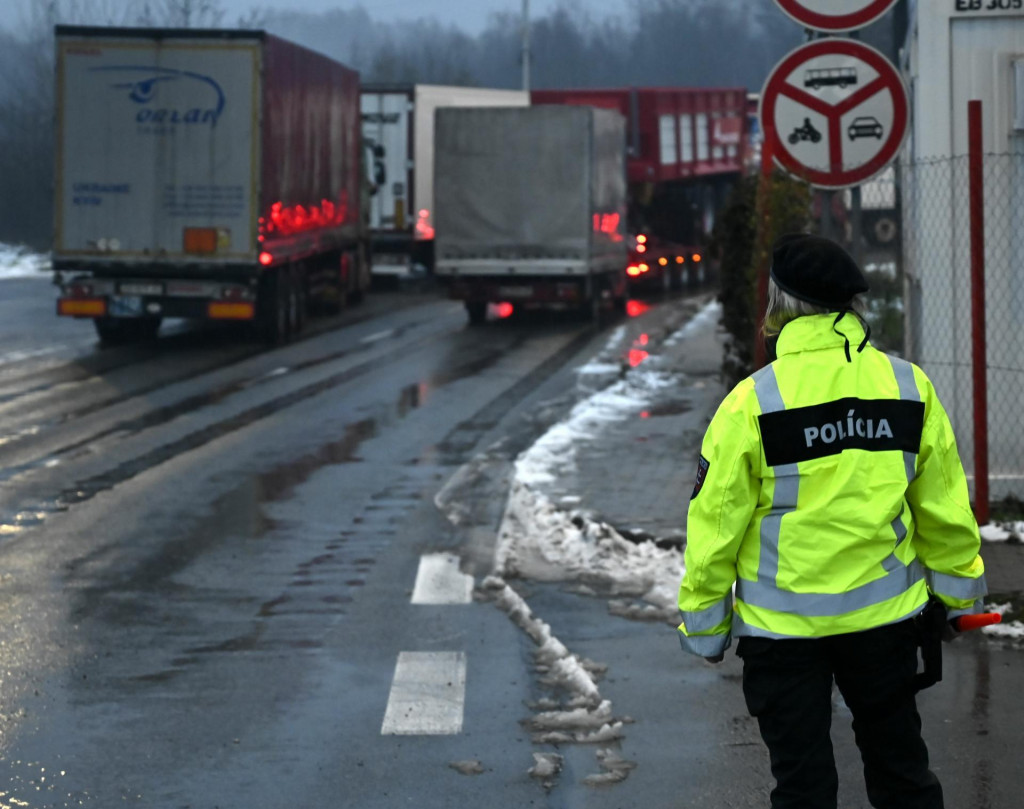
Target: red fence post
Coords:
[(978, 350)]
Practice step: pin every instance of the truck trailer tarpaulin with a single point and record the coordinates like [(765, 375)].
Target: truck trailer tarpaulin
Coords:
[(531, 201)]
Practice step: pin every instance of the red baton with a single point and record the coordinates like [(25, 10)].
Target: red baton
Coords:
[(965, 623)]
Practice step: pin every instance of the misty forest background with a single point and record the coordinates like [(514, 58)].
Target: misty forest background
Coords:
[(699, 43)]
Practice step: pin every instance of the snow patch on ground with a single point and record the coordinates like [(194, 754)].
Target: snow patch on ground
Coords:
[(1011, 630), (1003, 531), (706, 318), (540, 541), (20, 262), (553, 455), (544, 541)]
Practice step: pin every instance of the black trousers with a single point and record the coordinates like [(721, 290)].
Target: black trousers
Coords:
[(788, 688)]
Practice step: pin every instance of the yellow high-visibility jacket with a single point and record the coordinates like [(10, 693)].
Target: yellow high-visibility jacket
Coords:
[(830, 498)]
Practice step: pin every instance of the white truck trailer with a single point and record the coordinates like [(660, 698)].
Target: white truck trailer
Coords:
[(204, 174), (398, 126), (531, 207)]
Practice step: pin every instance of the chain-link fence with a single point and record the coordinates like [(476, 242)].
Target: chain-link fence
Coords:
[(937, 253)]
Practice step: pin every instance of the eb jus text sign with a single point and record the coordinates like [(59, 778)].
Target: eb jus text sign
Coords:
[(977, 8), (834, 112)]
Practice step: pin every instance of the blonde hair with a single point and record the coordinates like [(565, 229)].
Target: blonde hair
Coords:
[(783, 307)]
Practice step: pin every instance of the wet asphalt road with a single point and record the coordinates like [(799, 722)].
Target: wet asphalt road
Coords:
[(207, 552)]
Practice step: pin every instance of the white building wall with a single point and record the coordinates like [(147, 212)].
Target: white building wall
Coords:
[(954, 57)]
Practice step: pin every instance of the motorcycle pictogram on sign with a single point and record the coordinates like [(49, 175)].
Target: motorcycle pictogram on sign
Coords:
[(834, 112)]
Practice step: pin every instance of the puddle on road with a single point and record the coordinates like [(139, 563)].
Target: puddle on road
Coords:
[(280, 482)]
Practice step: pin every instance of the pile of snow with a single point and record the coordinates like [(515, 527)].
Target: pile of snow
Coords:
[(1012, 630), (553, 455), (540, 541), (585, 718), (20, 262), (1003, 531)]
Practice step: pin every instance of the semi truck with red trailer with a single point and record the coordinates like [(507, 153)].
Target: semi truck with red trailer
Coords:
[(204, 174), (530, 207), (686, 148)]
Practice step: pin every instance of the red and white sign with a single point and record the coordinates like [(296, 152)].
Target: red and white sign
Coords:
[(835, 15), (834, 112)]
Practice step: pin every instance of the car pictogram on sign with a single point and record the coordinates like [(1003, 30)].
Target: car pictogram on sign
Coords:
[(836, 133), (866, 126)]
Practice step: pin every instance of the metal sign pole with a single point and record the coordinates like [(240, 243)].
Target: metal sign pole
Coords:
[(526, 45)]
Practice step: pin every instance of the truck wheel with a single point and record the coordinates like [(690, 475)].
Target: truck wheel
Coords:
[(275, 305), (596, 305), (297, 303), (146, 328), (360, 279), (477, 312)]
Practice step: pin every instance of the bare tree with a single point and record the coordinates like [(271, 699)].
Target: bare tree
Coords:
[(27, 97), (180, 13), (26, 114)]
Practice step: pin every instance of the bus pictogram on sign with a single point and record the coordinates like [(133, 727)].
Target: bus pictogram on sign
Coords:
[(834, 112)]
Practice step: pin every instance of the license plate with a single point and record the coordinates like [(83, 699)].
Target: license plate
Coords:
[(125, 306), (141, 289), (515, 292)]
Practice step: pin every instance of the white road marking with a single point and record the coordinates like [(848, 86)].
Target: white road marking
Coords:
[(373, 338), (427, 695), (439, 581)]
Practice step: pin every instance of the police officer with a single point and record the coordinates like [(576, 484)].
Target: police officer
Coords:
[(830, 506)]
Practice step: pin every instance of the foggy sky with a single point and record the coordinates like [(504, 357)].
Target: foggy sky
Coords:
[(470, 15)]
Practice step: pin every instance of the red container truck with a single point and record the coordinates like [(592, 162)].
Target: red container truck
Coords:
[(204, 174), (686, 148)]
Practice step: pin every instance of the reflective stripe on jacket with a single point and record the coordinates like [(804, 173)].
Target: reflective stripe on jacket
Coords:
[(830, 498)]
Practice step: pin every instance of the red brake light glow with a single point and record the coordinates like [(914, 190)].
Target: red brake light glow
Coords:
[(636, 356), (266, 259), (282, 220), (424, 230), (636, 308), (608, 224)]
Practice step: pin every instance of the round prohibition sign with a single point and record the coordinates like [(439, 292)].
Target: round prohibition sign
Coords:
[(834, 112), (835, 15)]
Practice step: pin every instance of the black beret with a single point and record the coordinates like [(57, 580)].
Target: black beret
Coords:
[(816, 270)]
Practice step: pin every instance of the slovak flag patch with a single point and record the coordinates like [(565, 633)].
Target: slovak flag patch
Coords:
[(702, 473)]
